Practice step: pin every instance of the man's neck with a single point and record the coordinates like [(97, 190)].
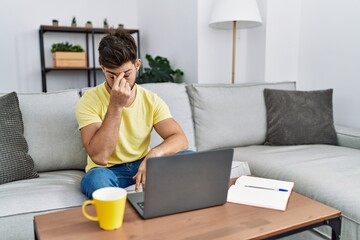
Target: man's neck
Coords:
[(133, 95)]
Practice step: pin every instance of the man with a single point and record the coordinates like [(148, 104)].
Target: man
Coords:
[(116, 119)]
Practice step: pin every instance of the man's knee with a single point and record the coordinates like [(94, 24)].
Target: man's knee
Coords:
[(97, 178)]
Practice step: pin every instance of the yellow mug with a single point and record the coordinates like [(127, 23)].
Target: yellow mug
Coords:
[(109, 203)]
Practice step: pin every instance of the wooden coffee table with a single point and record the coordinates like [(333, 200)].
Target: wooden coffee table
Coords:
[(229, 221)]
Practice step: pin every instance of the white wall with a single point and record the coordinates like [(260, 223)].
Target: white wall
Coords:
[(19, 41), (312, 42), (168, 29), (329, 54), (315, 43), (215, 50), (255, 48), (282, 40)]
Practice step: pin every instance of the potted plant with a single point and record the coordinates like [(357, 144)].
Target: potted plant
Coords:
[(68, 55), (55, 22), (73, 22), (159, 70), (106, 25), (88, 24)]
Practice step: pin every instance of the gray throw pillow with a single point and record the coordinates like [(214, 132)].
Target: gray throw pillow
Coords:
[(299, 117), (15, 162)]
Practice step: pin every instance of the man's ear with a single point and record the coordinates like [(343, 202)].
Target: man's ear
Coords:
[(102, 68), (138, 64)]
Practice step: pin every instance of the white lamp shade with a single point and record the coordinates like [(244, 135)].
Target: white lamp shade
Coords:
[(244, 12)]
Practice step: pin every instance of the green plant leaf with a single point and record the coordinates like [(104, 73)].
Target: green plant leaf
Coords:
[(159, 70), (65, 47)]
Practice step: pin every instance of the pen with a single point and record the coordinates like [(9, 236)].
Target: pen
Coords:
[(273, 189)]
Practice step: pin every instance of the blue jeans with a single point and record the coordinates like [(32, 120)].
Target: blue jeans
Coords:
[(116, 176)]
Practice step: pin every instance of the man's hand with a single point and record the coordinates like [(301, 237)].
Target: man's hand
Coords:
[(120, 91), (140, 176)]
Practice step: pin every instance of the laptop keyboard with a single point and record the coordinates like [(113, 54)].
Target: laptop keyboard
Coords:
[(141, 205)]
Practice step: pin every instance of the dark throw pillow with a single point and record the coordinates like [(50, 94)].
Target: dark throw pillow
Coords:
[(299, 117), (15, 162)]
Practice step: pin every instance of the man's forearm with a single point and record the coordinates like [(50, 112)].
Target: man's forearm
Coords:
[(173, 144), (104, 141)]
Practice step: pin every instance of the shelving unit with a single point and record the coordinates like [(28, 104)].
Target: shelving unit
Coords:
[(89, 32)]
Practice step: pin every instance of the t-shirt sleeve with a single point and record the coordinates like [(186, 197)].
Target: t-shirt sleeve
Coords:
[(161, 110), (86, 112)]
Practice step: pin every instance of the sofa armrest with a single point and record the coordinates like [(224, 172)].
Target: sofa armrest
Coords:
[(348, 137)]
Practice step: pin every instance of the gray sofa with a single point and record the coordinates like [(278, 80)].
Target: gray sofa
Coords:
[(213, 116)]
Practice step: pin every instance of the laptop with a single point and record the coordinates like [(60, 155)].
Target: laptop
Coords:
[(184, 182)]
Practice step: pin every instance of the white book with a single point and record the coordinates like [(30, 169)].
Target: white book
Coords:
[(260, 192)]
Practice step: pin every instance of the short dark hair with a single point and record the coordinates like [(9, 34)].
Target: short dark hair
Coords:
[(116, 48)]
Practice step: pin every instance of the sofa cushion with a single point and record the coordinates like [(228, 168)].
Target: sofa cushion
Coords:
[(299, 117), (15, 162), (176, 97), (230, 115), (52, 190), (348, 137), (52, 131), (325, 173)]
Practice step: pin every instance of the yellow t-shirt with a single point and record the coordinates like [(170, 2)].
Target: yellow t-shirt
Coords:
[(136, 124)]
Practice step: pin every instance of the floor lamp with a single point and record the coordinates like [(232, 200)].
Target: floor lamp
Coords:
[(233, 14)]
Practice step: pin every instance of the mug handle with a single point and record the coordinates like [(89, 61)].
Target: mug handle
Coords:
[(88, 216)]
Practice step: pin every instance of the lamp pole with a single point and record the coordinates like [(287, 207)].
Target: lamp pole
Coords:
[(233, 53), (227, 14)]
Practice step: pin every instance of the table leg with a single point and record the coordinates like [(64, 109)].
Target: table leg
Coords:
[(335, 225)]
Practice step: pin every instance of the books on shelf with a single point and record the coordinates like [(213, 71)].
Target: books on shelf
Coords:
[(260, 192)]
